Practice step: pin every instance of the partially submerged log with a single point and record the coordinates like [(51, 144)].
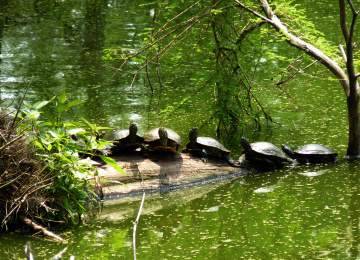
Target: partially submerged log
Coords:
[(162, 172)]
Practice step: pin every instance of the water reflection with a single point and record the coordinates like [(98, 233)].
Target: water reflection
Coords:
[(354, 208)]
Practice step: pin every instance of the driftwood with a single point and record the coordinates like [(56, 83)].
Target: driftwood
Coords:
[(46, 232), (161, 172)]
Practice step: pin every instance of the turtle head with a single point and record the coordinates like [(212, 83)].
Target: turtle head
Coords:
[(287, 150), (245, 144), (193, 134), (163, 136), (133, 129)]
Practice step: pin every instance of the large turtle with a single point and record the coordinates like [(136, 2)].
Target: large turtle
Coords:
[(127, 140), (311, 153), (206, 146), (163, 139), (264, 154)]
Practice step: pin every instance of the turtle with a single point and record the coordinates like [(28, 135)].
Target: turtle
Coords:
[(265, 154), (90, 144), (163, 139), (127, 140), (206, 146), (311, 153)]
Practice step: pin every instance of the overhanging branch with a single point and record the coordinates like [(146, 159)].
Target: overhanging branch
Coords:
[(295, 41)]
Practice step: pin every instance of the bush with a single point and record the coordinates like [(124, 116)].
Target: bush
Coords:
[(41, 177)]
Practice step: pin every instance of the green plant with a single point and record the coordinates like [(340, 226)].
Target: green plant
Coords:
[(59, 145)]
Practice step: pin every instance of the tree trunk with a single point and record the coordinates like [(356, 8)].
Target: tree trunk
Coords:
[(353, 98), (354, 127)]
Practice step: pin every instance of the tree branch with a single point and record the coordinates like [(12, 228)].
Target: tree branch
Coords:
[(295, 41), (343, 24)]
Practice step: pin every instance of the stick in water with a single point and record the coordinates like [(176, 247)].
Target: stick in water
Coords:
[(135, 225)]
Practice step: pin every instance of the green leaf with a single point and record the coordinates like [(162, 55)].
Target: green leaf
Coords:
[(112, 163), (74, 157), (41, 104), (62, 97)]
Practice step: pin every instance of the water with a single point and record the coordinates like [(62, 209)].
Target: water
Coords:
[(310, 212)]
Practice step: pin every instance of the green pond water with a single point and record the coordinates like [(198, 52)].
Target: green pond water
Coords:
[(310, 212)]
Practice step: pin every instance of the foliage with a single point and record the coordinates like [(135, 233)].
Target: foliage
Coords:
[(57, 147), (177, 35)]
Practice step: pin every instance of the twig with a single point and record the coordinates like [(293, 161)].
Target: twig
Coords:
[(135, 225), (42, 229), (59, 255), (343, 53), (18, 110)]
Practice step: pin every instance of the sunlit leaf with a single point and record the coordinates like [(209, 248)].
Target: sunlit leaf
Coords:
[(112, 163)]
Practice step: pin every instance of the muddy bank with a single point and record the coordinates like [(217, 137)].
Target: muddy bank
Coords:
[(162, 172)]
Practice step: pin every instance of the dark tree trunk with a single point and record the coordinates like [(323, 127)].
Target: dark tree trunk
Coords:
[(353, 98), (354, 126)]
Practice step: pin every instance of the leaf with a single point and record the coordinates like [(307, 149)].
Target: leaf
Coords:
[(53, 134), (112, 163), (62, 97), (64, 107), (74, 103), (74, 157), (89, 124), (41, 104)]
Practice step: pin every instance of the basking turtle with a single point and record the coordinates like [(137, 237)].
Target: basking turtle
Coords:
[(90, 144), (127, 140), (206, 146), (263, 153), (311, 153), (163, 139)]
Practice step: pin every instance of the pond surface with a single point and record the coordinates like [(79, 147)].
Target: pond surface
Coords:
[(310, 212)]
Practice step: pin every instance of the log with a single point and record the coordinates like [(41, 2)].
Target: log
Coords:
[(162, 172)]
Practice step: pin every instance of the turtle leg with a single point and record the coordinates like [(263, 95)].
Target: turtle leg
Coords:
[(143, 151), (334, 158), (204, 156), (294, 162), (270, 163), (242, 159), (186, 150), (230, 160)]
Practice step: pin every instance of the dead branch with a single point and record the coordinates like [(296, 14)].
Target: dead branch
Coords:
[(43, 230), (135, 224)]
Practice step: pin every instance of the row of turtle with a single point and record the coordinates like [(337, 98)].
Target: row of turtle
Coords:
[(262, 153)]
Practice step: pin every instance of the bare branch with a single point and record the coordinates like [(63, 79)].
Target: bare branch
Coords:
[(343, 53), (343, 23), (293, 40)]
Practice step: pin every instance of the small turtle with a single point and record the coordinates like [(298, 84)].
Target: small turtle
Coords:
[(163, 139), (263, 153), (127, 140), (311, 153), (206, 146)]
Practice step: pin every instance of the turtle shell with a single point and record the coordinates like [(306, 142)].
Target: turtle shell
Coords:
[(125, 140), (314, 153), (267, 149), (310, 149), (152, 138), (265, 152), (122, 136), (213, 147)]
